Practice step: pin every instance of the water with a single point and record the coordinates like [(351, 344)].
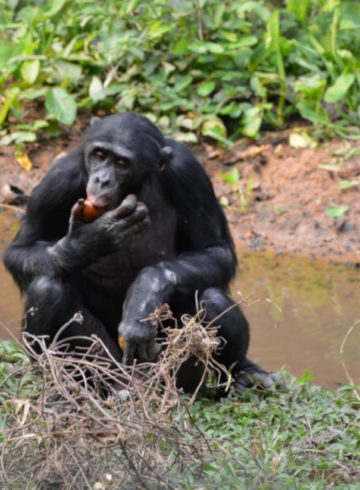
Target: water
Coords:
[(299, 311), (10, 301)]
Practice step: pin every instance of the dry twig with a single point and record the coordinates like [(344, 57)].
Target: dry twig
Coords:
[(80, 418)]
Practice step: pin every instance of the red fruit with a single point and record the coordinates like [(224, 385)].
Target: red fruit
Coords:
[(90, 212)]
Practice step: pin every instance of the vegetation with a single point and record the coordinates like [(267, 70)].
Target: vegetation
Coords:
[(199, 68), (216, 69), (53, 431)]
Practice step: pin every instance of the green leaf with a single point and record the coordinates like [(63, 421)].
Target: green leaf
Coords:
[(336, 211), (312, 87), (168, 68), (30, 71), (32, 94), (56, 6), (158, 29), (331, 167), (205, 88), (251, 121), (185, 122), (95, 88), (214, 48), (217, 136), (7, 51), (202, 47), (182, 81), (187, 137), (347, 184), (301, 140), (246, 40), (18, 137), (181, 47), (61, 105), (214, 127), (11, 96), (306, 377), (233, 110), (311, 111), (232, 177), (70, 71), (299, 9), (257, 87), (229, 36), (350, 18), (339, 89)]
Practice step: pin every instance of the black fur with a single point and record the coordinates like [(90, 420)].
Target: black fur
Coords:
[(134, 257)]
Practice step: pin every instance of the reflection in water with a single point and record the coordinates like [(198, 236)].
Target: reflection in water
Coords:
[(299, 311)]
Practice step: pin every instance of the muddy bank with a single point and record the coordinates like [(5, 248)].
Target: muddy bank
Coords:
[(281, 201), (278, 203)]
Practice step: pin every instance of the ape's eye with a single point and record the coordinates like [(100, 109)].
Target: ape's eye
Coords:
[(123, 162), (99, 154)]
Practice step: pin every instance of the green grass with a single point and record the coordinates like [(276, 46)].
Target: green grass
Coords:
[(306, 437)]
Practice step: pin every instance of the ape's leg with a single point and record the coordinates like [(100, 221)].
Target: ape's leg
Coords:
[(234, 329), (222, 312), (51, 303)]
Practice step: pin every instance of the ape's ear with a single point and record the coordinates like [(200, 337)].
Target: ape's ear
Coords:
[(166, 154), (94, 120)]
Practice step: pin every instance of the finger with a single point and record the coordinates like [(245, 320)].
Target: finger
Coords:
[(76, 215), (131, 233), (133, 224), (128, 358), (153, 351), (142, 353), (142, 209), (77, 209), (127, 206)]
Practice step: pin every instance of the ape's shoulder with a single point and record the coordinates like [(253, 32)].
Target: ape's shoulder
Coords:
[(201, 220), (50, 202), (185, 171)]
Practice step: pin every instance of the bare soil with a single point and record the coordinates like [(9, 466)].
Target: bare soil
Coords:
[(283, 197)]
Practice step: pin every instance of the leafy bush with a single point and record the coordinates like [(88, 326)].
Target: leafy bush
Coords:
[(210, 68)]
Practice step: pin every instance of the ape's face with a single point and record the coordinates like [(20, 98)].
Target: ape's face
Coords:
[(111, 170), (121, 153)]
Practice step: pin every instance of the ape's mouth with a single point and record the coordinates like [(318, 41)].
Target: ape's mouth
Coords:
[(101, 204)]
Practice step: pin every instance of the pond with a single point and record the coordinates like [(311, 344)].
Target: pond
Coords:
[(299, 310)]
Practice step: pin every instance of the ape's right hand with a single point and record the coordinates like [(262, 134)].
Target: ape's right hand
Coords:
[(124, 223), (87, 242)]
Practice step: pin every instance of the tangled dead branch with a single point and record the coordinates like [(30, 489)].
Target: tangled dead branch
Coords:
[(79, 420)]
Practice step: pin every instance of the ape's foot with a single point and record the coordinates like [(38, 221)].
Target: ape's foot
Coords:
[(253, 376)]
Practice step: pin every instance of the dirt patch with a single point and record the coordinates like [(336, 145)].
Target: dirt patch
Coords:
[(279, 202), (286, 192)]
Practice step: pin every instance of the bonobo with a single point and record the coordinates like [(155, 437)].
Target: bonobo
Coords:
[(159, 237)]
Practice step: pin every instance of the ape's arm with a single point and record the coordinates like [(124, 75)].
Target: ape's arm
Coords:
[(44, 246), (154, 286), (46, 220), (205, 255)]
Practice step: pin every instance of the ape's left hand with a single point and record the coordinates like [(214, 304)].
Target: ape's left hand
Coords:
[(139, 342)]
